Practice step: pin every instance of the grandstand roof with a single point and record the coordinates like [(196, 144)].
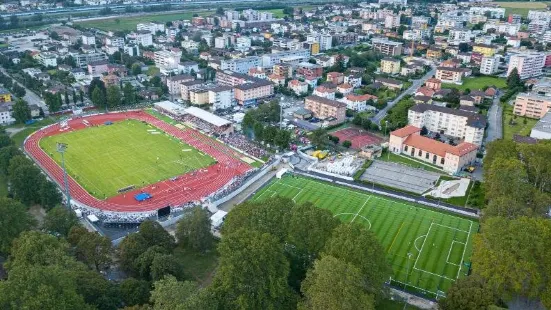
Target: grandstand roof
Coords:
[(170, 107), (207, 116)]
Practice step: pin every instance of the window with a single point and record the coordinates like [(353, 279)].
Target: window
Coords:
[(420, 153), (406, 148), (442, 161), (426, 155)]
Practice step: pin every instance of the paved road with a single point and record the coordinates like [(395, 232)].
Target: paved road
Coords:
[(495, 129), (411, 90), (30, 96)]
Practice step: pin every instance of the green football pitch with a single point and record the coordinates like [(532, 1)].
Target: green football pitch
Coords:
[(106, 158), (428, 250)]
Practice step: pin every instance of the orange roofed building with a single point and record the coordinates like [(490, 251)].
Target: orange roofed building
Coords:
[(450, 158)]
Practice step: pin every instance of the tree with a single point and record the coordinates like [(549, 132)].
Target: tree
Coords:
[(52, 101), (154, 234), (40, 287), (220, 11), (424, 131), (129, 94), (90, 247), (136, 69), (113, 96), (464, 47), (97, 290), (270, 133), (134, 292), (96, 83), (5, 140), (6, 154), (60, 220), (193, 230), (513, 257), (67, 101), (469, 293), (98, 99), (169, 293), (25, 184), (14, 220), (131, 247), (164, 265), (74, 97), (513, 80), (49, 195), (346, 143), (353, 243), (334, 285), (81, 96), (267, 216), (252, 273), (258, 129), (21, 111), (319, 138), (282, 138), (308, 229), (34, 248)]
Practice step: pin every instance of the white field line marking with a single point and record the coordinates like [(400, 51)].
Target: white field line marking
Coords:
[(464, 249), (453, 228), (422, 245), (434, 274), (449, 253), (361, 208), (365, 218), (415, 242), (297, 194)]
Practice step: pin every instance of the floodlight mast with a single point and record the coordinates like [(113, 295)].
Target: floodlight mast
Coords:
[(62, 148)]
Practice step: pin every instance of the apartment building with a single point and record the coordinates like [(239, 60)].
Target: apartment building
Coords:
[(47, 59), (82, 60), (186, 87), (358, 103), (298, 87), (484, 49), (249, 93), (97, 68), (532, 105), (88, 39), (269, 60), (390, 65), (325, 91), (173, 83), (114, 41), (334, 112), (167, 60), (465, 125), (489, 65), (527, 64), (459, 35), (451, 75), (308, 69), (151, 27), (142, 37), (231, 78), (452, 159), (502, 27), (240, 65), (187, 67), (494, 12), (387, 47), (221, 97)]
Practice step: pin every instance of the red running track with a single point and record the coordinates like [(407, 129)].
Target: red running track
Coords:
[(188, 187)]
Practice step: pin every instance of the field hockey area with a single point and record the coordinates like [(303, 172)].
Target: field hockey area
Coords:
[(428, 250), (109, 157)]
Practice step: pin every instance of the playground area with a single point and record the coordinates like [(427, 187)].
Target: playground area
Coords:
[(358, 137)]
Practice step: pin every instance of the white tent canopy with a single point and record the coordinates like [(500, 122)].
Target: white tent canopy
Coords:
[(92, 218)]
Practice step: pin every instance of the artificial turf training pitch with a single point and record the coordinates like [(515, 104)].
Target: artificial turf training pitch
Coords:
[(438, 244), (106, 158)]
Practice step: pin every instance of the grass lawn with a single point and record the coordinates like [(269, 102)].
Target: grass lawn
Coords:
[(106, 158), (427, 249), (129, 23), (478, 83), (278, 13), (391, 157), (19, 137), (519, 128), (521, 7)]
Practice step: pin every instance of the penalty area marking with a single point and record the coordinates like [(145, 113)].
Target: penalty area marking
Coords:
[(415, 242)]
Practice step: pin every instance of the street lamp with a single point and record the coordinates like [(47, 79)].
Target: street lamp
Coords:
[(61, 148)]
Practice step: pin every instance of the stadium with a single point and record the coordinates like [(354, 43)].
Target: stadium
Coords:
[(127, 166)]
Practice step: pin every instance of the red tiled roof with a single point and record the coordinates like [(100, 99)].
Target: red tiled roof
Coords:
[(439, 148), (405, 131)]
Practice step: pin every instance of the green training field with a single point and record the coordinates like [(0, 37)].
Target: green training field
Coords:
[(106, 158), (433, 246), (125, 23)]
